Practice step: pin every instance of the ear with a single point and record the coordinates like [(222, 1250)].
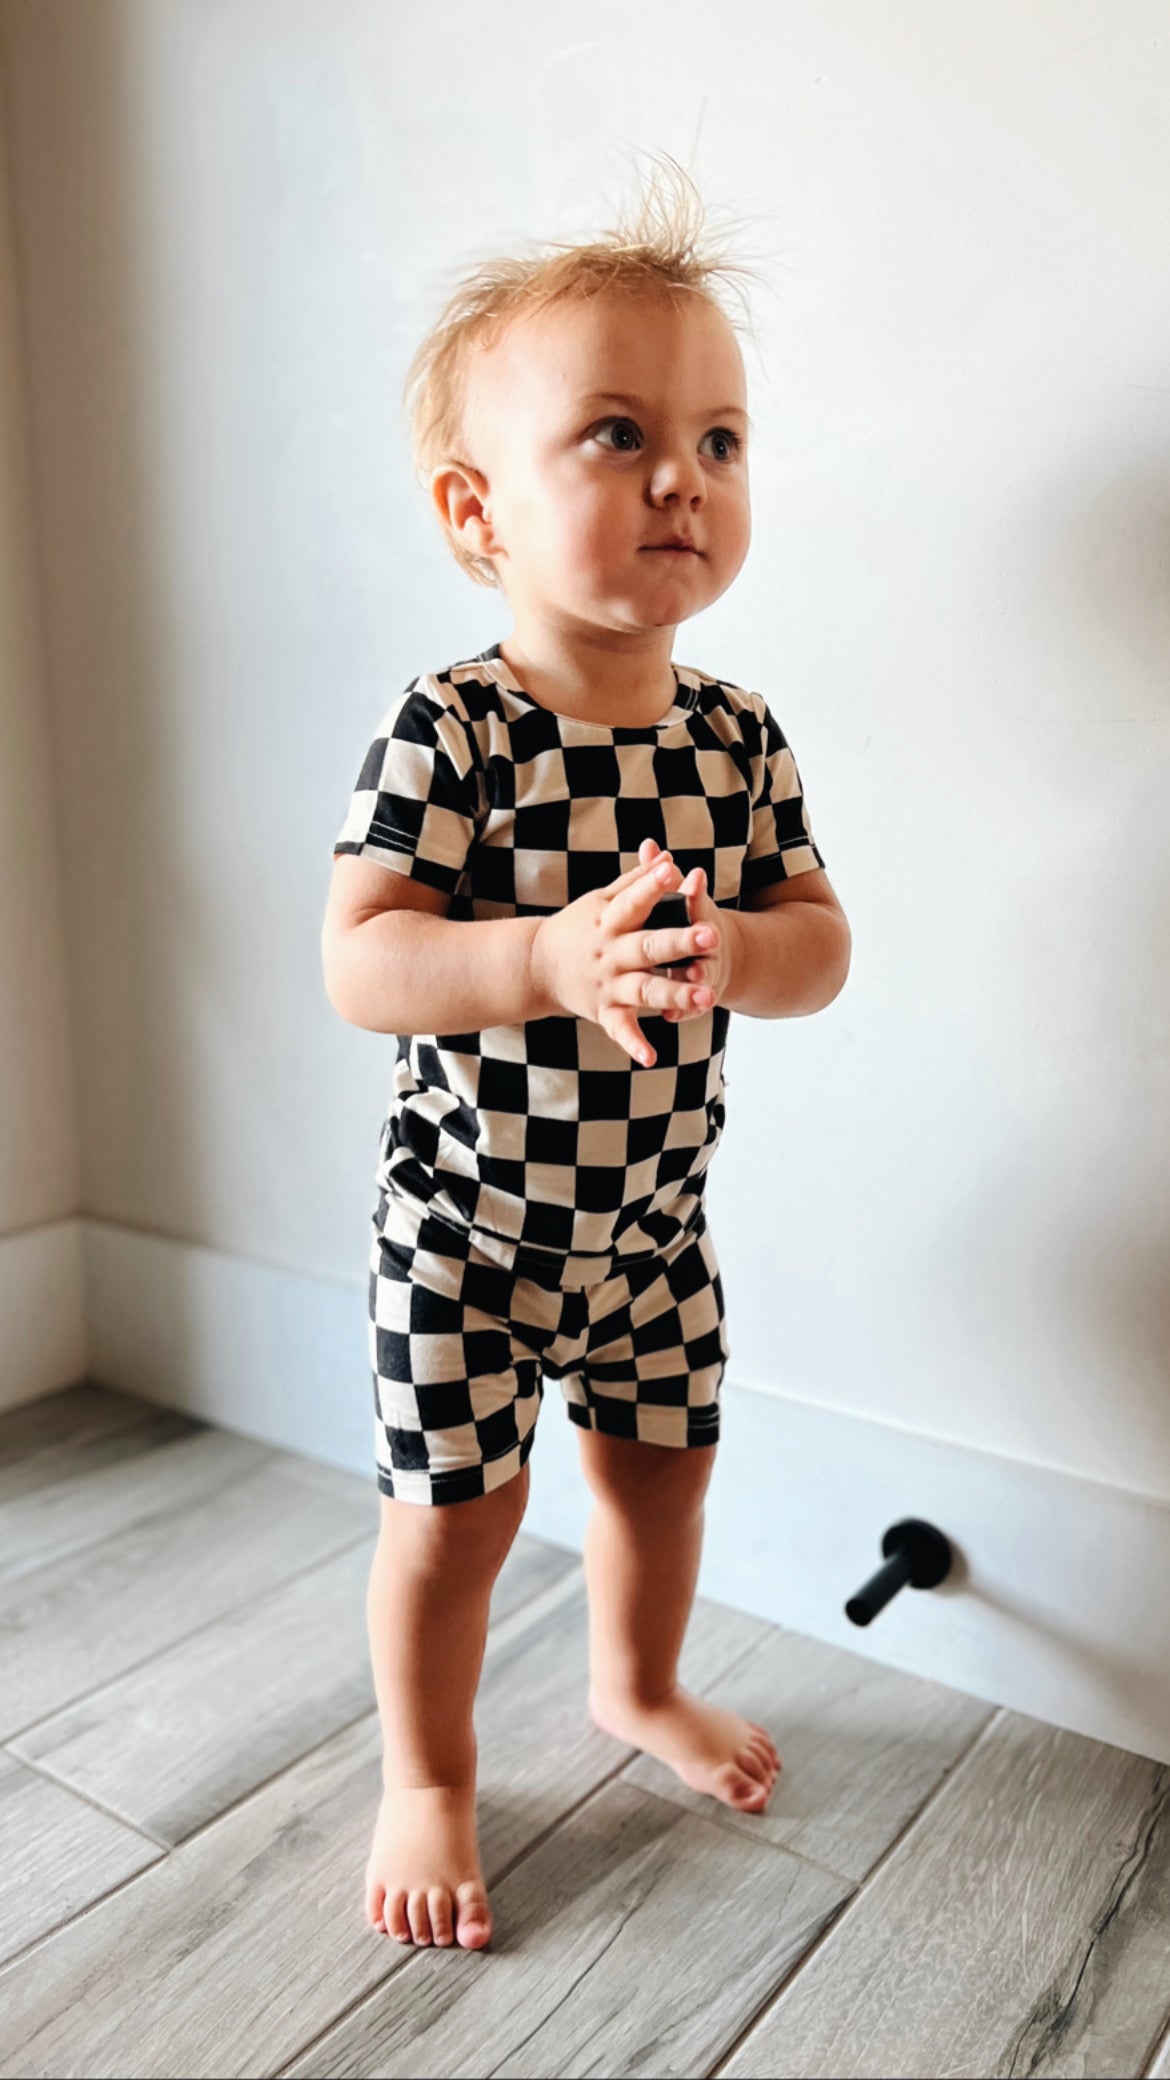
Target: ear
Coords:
[(463, 501)]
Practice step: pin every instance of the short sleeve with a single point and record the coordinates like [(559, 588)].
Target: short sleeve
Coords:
[(416, 804), (781, 843)]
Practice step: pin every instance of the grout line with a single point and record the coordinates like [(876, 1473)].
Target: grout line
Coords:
[(88, 1798), (531, 1611), (847, 1906), (182, 1639), (218, 1484), (91, 1906), (412, 1954), (408, 1954), (716, 1682), (1157, 2049), (533, 1608)]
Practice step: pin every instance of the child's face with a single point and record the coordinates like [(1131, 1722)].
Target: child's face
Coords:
[(572, 488)]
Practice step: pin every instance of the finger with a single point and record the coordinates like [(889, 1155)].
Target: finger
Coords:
[(693, 887), (649, 991), (624, 1028), (685, 971), (669, 950), (637, 898), (632, 874)]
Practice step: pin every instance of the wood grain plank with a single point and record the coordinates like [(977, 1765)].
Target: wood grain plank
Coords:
[(532, 1710), (71, 1625), (225, 1955), (236, 1951), (31, 1472), (638, 1939), (142, 1471), (1160, 2066), (1020, 1927), (202, 1723), (60, 1854), (862, 1747), (70, 1419)]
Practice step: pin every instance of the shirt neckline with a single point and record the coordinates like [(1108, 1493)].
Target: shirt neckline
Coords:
[(685, 699)]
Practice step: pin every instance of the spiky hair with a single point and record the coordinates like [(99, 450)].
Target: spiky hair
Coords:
[(665, 247)]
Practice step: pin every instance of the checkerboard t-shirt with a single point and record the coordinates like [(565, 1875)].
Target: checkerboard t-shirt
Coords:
[(545, 1142)]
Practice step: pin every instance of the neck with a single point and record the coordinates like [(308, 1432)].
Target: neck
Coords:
[(594, 677)]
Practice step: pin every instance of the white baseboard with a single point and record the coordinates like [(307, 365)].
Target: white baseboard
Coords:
[(275, 1355), (1055, 1605), (42, 1311)]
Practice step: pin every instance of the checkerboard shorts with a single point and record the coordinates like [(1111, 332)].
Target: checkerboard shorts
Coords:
[(459, 1344)]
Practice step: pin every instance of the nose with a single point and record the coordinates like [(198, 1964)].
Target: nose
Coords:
[(678, 477)]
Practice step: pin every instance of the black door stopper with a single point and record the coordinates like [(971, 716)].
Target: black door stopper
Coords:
[(914, 1552)]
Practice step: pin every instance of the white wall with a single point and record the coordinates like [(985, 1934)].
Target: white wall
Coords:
[(233, 221), (42, 1341)]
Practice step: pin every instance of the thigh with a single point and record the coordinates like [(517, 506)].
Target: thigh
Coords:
[(656, 1351), (456, 1394), (654, 1485)]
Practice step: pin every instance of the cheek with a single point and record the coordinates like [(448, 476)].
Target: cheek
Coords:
[(593, 524), (735, 532)]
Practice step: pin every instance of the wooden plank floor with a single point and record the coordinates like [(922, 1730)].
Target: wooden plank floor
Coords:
[(190, 1766)]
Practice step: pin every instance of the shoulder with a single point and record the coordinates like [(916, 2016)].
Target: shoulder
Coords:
[(448, 708), (746, 713)]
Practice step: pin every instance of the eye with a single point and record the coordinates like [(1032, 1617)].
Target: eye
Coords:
[(614, 422), (724, 433), (719, 433)]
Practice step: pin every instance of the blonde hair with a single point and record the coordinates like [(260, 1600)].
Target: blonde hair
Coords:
[(664, 248)]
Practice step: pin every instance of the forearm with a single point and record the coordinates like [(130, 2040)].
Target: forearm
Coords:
[(787, 961), (402, 971)]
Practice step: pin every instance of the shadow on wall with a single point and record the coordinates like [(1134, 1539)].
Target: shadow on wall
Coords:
[(141, 957), (1083, 566)]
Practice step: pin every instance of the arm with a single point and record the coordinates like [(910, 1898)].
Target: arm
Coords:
[(395, 963), (790, 949)]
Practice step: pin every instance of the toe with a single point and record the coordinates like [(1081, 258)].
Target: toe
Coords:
[(394, 1916), (474, 1921), (439, 1902), (761, 1754), (375, 1899), (740, 1789), (769, 1743), (756, 1763), (416, 1914)]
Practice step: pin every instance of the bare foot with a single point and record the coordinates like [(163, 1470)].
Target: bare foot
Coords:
[(423, 1880), (711, 1749)]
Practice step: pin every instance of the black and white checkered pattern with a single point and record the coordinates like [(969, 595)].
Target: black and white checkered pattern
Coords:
[(548, 1136), (458, 1347)]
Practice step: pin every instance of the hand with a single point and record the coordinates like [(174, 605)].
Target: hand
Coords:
[(593, 960), (710, 968)]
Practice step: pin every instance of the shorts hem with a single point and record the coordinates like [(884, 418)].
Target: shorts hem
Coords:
[(452, 1483), (618, 1419)]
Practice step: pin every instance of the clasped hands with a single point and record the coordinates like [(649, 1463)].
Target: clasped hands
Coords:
[(595, 958)]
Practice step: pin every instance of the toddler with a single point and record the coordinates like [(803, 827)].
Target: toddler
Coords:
[(558, 1085)]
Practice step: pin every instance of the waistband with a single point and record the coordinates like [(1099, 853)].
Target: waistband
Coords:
[(400, 1217)]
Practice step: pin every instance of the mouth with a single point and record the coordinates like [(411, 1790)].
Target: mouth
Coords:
[(672, 549)]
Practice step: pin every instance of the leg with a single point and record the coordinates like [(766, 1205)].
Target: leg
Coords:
[(642, 1550), (429, 1593)]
